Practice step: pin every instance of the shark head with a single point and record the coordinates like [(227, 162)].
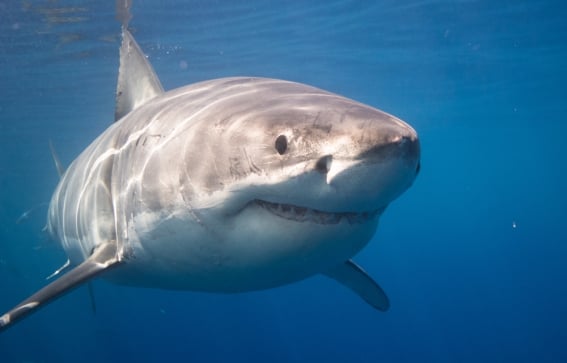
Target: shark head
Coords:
[(294, 145)]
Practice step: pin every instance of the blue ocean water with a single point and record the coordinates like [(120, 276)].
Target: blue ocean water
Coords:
[(473, 256)]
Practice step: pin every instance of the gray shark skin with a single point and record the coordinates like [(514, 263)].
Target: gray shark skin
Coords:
[(228, 185)]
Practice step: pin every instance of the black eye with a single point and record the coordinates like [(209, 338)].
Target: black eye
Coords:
[(281, 144)]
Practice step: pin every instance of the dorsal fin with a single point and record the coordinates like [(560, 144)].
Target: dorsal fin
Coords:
[(137, 81)]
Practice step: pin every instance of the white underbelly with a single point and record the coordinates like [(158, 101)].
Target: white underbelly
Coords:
[(231, 256)]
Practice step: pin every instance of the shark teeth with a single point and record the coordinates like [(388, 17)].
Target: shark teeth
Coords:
[(303, 214)]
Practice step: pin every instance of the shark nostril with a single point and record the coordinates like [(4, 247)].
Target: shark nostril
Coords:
[(418, 167), (323, 165)]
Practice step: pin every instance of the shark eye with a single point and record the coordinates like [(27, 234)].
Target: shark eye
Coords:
[(281, 144)]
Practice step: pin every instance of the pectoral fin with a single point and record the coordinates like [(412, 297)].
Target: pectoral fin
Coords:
[(102, 259), (58, 165), (355, 278)]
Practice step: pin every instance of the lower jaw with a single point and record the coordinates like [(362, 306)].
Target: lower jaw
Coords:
[(303, 214)]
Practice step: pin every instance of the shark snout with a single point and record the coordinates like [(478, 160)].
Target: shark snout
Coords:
[(395, 146), (408, 147)]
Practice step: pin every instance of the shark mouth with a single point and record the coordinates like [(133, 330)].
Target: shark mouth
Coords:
[(303, 214)]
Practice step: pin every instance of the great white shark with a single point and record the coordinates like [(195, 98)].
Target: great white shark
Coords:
[(228, 185)]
